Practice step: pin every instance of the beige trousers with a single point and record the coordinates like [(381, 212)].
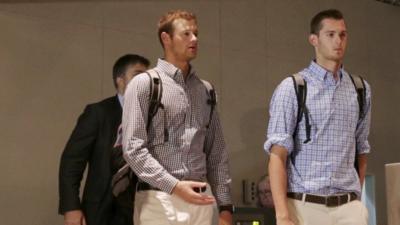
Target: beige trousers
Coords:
[(305, 213), (160, 208)]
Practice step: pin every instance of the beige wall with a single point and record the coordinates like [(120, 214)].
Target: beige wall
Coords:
[(56, 56)]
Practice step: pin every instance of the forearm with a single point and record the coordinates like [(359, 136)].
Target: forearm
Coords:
[(75, 158), (278, 179), (220, 181), (219, 177), (218, 173), (362, 167), (148, 169), (70, 176)]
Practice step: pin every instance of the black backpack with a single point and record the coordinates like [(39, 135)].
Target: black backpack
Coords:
[(300, 86), (123, 177)]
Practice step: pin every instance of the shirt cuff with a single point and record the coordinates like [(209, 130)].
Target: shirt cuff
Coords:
[(223, 195), (363, 147), (168, 184), (284, 140)]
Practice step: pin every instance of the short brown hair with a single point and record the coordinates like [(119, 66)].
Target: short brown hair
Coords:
[(316, 26), (165, 23)]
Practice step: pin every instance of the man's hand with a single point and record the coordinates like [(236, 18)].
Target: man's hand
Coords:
[(184, 189), (225, 218), (74, 217)]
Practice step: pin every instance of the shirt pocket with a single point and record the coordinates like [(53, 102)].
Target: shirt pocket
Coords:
[(158, 133)]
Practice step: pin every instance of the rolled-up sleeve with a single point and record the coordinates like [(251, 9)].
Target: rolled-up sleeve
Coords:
[(283, 117), (363, 125)]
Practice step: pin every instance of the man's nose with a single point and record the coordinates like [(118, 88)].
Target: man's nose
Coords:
[(194, 38), (338, 40)]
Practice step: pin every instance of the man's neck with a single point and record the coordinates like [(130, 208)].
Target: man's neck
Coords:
[(182, 65), (120, 91), (331, 66)]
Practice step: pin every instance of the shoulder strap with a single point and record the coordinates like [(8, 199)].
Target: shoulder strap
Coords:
[(212, 101), (300, 86), (155, 95), (359, 85)]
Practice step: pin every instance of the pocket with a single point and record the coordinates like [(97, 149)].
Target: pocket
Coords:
[(365, 214), (294, 207)]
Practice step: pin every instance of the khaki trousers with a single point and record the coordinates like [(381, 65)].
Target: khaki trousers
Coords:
[(305, 213), (160, 208)]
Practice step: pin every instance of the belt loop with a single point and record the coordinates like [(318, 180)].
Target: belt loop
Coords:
[(348, 197), (303, 198)]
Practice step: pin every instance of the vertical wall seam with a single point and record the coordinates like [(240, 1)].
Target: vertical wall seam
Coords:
[(220, 70), (102, 52), (266, 48)]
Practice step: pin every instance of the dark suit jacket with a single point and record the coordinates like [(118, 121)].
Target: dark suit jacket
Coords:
[(91, 143)]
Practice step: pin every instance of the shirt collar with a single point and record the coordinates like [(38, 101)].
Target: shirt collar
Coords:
[(323, 74), (121, 99), (173, 71)]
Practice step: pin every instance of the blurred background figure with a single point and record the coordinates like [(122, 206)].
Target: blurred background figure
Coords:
[(264, 194)]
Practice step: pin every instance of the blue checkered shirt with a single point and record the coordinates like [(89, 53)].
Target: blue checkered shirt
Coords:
[(325, 165)]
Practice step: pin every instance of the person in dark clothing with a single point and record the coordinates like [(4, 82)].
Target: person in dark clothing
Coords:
[(91, 144)]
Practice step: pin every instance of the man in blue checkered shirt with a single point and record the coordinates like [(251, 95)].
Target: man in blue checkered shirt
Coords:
[(315, 181)]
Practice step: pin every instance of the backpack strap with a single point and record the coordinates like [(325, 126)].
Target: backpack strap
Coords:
[(359, 85), (156, 90), (212, 99), (300, 86)]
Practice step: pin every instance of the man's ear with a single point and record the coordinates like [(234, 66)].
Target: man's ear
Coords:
[(119, 82), (165, 38), (313, 39)]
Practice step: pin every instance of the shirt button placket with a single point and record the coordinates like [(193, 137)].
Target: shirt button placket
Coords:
[(187, 131)]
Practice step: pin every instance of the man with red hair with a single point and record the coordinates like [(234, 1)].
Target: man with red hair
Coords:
[(179, 153)]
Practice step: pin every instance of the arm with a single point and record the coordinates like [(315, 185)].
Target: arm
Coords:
[(362, 133), (278, 180), (282, 122), (73, 163), (362, 167), (218, 167), (135, 139)]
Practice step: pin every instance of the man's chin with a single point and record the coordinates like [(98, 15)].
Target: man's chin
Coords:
[(337, 58), (191, 57)]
